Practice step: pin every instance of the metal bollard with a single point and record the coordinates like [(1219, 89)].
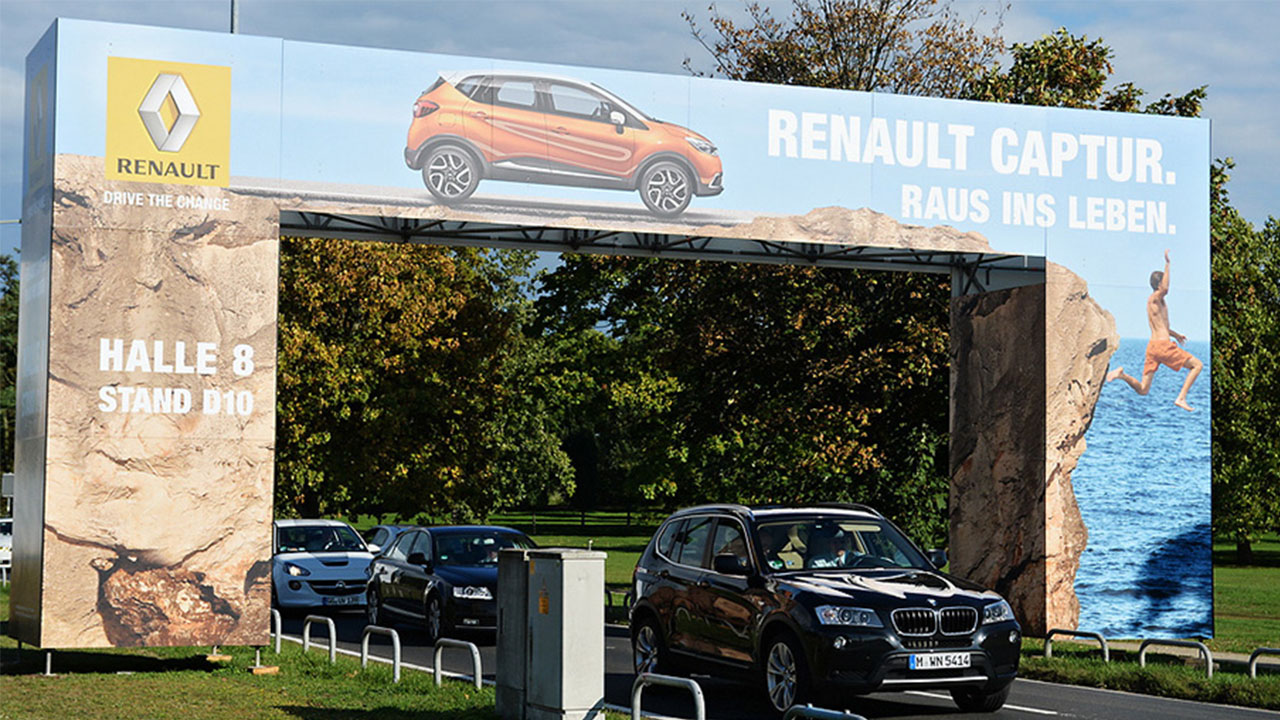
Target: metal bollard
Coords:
[(644, 680), (443, 643), (1048, 641), (809, 711), (277, 627), (1204, 650), (1253, 659), (333, 635), (395, 648)]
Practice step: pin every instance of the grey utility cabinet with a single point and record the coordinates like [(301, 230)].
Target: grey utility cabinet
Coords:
[(550, 634)]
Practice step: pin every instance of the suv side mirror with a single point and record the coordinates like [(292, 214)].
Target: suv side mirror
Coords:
[(618, 120), (730, 564), (418, 559), (936, 557), (374, 548)]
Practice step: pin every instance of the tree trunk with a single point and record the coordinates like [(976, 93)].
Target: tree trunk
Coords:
[(1244, 551)]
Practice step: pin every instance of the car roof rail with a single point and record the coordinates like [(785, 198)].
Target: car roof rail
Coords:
[(849, 506), (724, 507)]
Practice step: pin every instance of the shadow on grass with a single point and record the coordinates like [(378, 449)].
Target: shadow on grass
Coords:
[(31, 661), (383, 713)]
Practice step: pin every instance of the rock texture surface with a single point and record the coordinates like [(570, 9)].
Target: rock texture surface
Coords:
[(1080, 339), (1027, 367), (158, 520), (997, 445)]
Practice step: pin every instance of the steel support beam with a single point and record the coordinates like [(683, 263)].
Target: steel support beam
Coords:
[(974, 271)]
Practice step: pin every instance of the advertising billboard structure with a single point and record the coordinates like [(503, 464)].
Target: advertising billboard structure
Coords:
[(162, 166)]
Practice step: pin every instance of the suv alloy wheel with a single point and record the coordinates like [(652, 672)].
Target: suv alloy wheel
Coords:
[(666, 188), (450, 173)]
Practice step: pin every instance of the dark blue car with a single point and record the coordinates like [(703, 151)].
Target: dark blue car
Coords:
[(442, 577)]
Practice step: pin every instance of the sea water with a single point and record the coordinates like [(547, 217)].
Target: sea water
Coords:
[(1143, 485)]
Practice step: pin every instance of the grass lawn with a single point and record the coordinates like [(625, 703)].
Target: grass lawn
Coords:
[(1246, 599), (179, 683), (1167, 676)]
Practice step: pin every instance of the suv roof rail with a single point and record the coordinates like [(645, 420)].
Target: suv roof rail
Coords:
[(849, 506), (730, 507)]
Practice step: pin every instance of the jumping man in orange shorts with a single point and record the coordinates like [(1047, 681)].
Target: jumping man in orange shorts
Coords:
[(1160, 349)]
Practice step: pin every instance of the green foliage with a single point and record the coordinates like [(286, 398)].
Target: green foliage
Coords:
[(763, 384), (1246, 369), (8, 357), (911, 47), (406, 383), (1062, 70)]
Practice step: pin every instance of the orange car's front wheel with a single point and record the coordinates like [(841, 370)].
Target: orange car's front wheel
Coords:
[(666, 188), (450, 173)]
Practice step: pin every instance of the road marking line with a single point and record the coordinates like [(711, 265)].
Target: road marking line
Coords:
[(1007, 706)]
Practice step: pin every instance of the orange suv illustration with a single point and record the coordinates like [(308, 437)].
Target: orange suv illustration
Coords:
[(539, 128)]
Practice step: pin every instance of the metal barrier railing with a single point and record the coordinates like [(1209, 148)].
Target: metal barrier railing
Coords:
[(1253, 659), (443, 643), (277, 627), (333, 635), (809, 711), (395, 648), (644, 680), (1048, 641), (1204, 651)]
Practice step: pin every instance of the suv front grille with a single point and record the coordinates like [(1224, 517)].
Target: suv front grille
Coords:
[(936, 643), (958, 620), (916, 622), (924, 622)]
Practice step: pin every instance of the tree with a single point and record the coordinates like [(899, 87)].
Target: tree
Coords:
[(1062, 70), (909, 47), (1246, 370), (406, 383), (8, 357), (761, 384)]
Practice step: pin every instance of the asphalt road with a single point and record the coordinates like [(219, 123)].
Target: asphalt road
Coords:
[(735, 701)]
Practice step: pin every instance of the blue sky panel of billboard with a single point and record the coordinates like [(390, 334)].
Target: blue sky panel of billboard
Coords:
[(759, 130), (1015, 212), (255, 85)]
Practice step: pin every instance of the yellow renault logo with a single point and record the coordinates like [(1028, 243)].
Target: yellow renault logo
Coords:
[(168, 122)]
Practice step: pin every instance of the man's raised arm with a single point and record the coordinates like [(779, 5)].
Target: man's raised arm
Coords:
[(1164, 281)]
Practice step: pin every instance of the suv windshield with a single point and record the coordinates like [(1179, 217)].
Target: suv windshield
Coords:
[(817, 543), (475, 549), (319, 538)]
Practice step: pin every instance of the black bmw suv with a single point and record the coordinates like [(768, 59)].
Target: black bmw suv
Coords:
[(815, 603)]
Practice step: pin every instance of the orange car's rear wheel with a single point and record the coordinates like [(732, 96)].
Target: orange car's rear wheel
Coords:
[(666, 188), (450, 173)]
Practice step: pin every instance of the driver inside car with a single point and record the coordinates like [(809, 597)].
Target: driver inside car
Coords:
[(831, 549)]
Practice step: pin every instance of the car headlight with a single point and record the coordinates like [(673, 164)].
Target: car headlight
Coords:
[(472, 592), (701, 145), (296, 570), (997, 612), (855, 616)]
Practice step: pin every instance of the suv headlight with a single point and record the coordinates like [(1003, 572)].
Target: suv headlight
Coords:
[(997, 612), (296, 570), (854, 616), (472, 592), (701, 145)]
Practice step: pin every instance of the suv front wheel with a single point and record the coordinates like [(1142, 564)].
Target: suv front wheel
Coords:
[(647, 653), (786, 674), (666, 188)]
